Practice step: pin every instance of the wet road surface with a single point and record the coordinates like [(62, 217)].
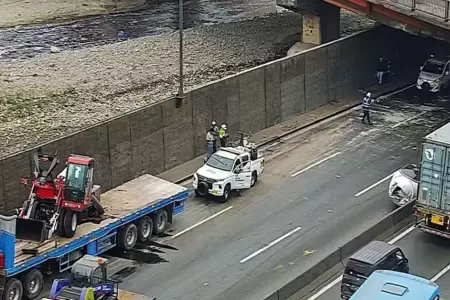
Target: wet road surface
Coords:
[(286, 223), (161, 16), (427, 254)]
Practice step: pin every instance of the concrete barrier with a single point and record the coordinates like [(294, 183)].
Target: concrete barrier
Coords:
[(159, 137), (342, 253)]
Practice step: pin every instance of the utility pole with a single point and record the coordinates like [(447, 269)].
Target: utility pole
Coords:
[(180, 94)]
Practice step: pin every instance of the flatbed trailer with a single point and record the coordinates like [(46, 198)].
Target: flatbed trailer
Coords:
[(144, 198)]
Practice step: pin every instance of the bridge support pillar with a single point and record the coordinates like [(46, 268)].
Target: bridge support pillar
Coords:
[(321, 20)]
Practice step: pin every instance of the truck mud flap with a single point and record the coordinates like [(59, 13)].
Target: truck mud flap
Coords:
[(31, 230)]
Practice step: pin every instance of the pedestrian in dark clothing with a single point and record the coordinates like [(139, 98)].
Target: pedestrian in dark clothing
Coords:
[(367, 102), (381, 70)]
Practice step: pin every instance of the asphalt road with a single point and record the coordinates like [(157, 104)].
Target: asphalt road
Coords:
[(428, 258), (286, 223)]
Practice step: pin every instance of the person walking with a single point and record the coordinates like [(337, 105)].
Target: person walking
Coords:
[(381, 70), (210, 140), (223, 135), (367, 102)]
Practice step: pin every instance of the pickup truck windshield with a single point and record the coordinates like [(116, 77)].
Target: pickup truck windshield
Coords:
[(433, 67), (220, 162)]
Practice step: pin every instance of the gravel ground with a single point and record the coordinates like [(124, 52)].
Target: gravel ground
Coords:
[(48, 96)]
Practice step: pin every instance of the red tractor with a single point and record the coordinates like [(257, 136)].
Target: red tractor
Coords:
[(61, 203)]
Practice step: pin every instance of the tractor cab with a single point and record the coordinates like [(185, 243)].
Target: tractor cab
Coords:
[(78, 178)]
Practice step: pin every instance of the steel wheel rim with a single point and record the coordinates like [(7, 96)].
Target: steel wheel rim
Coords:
[(253, 180), (34, 286), (145, 231), (130, 237), (14, 294), (74, 222)]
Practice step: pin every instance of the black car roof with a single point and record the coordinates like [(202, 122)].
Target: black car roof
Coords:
[(374, 252)]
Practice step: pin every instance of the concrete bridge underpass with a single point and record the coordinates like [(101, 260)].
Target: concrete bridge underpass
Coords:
[(422, 17)]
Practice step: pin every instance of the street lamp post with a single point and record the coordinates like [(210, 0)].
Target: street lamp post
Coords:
[(180, 94)]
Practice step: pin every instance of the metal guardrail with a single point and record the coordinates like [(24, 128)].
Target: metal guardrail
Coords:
[(436, 8)]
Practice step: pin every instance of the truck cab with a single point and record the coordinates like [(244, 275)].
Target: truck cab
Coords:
[(434, 75), (230, 168)]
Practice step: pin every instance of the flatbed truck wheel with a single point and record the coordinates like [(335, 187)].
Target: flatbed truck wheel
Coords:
[(13, 289), (160, 221), (145, 229), (32, 283), (127, 237)]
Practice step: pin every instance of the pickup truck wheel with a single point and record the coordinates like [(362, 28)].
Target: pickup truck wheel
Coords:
[(160, 221), (226, 194), (32, 283), (145, 229), (254, 179), (70, 223), (13, 289), (127, 237)]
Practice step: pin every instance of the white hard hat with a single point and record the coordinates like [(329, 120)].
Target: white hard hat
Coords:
[(213, 123), (368, 94), (224, 126)]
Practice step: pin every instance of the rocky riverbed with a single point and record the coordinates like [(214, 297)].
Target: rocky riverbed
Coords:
[(48, 96)]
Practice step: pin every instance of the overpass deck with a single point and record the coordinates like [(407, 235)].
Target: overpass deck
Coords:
[(428, 258)]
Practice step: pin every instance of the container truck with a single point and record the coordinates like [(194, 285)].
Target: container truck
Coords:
[(432, 207), (132, 212)]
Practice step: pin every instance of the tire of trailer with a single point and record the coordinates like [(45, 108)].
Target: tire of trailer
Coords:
[(127, 237), (13, 289), (145, 229), (160, 221), (70, 223), (32, 283)]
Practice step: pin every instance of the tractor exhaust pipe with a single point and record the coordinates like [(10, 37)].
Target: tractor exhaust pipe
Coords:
[(31, 230)]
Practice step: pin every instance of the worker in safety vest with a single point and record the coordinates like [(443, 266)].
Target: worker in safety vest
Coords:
[(215, 129), (210, 141), (367, 102), (223, 135)]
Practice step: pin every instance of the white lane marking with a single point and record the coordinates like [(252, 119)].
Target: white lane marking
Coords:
[(440, 274), (270, 245), (316, 164), (373, 185), (409, 119), (337, 280), (201, 222), (402, 235)]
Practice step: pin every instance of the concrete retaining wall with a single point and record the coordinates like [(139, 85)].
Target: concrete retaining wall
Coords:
[(341, 253), (160, 136)]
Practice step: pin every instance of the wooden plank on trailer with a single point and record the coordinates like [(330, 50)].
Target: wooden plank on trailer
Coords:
[(125, 295), (138, 193)]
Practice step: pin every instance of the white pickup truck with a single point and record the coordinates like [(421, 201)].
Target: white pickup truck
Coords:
[(230, 168)]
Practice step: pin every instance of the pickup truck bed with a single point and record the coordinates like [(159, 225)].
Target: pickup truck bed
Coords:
[(119, 203)]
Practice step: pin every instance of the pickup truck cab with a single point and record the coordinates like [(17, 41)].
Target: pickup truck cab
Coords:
[(230, 168)]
